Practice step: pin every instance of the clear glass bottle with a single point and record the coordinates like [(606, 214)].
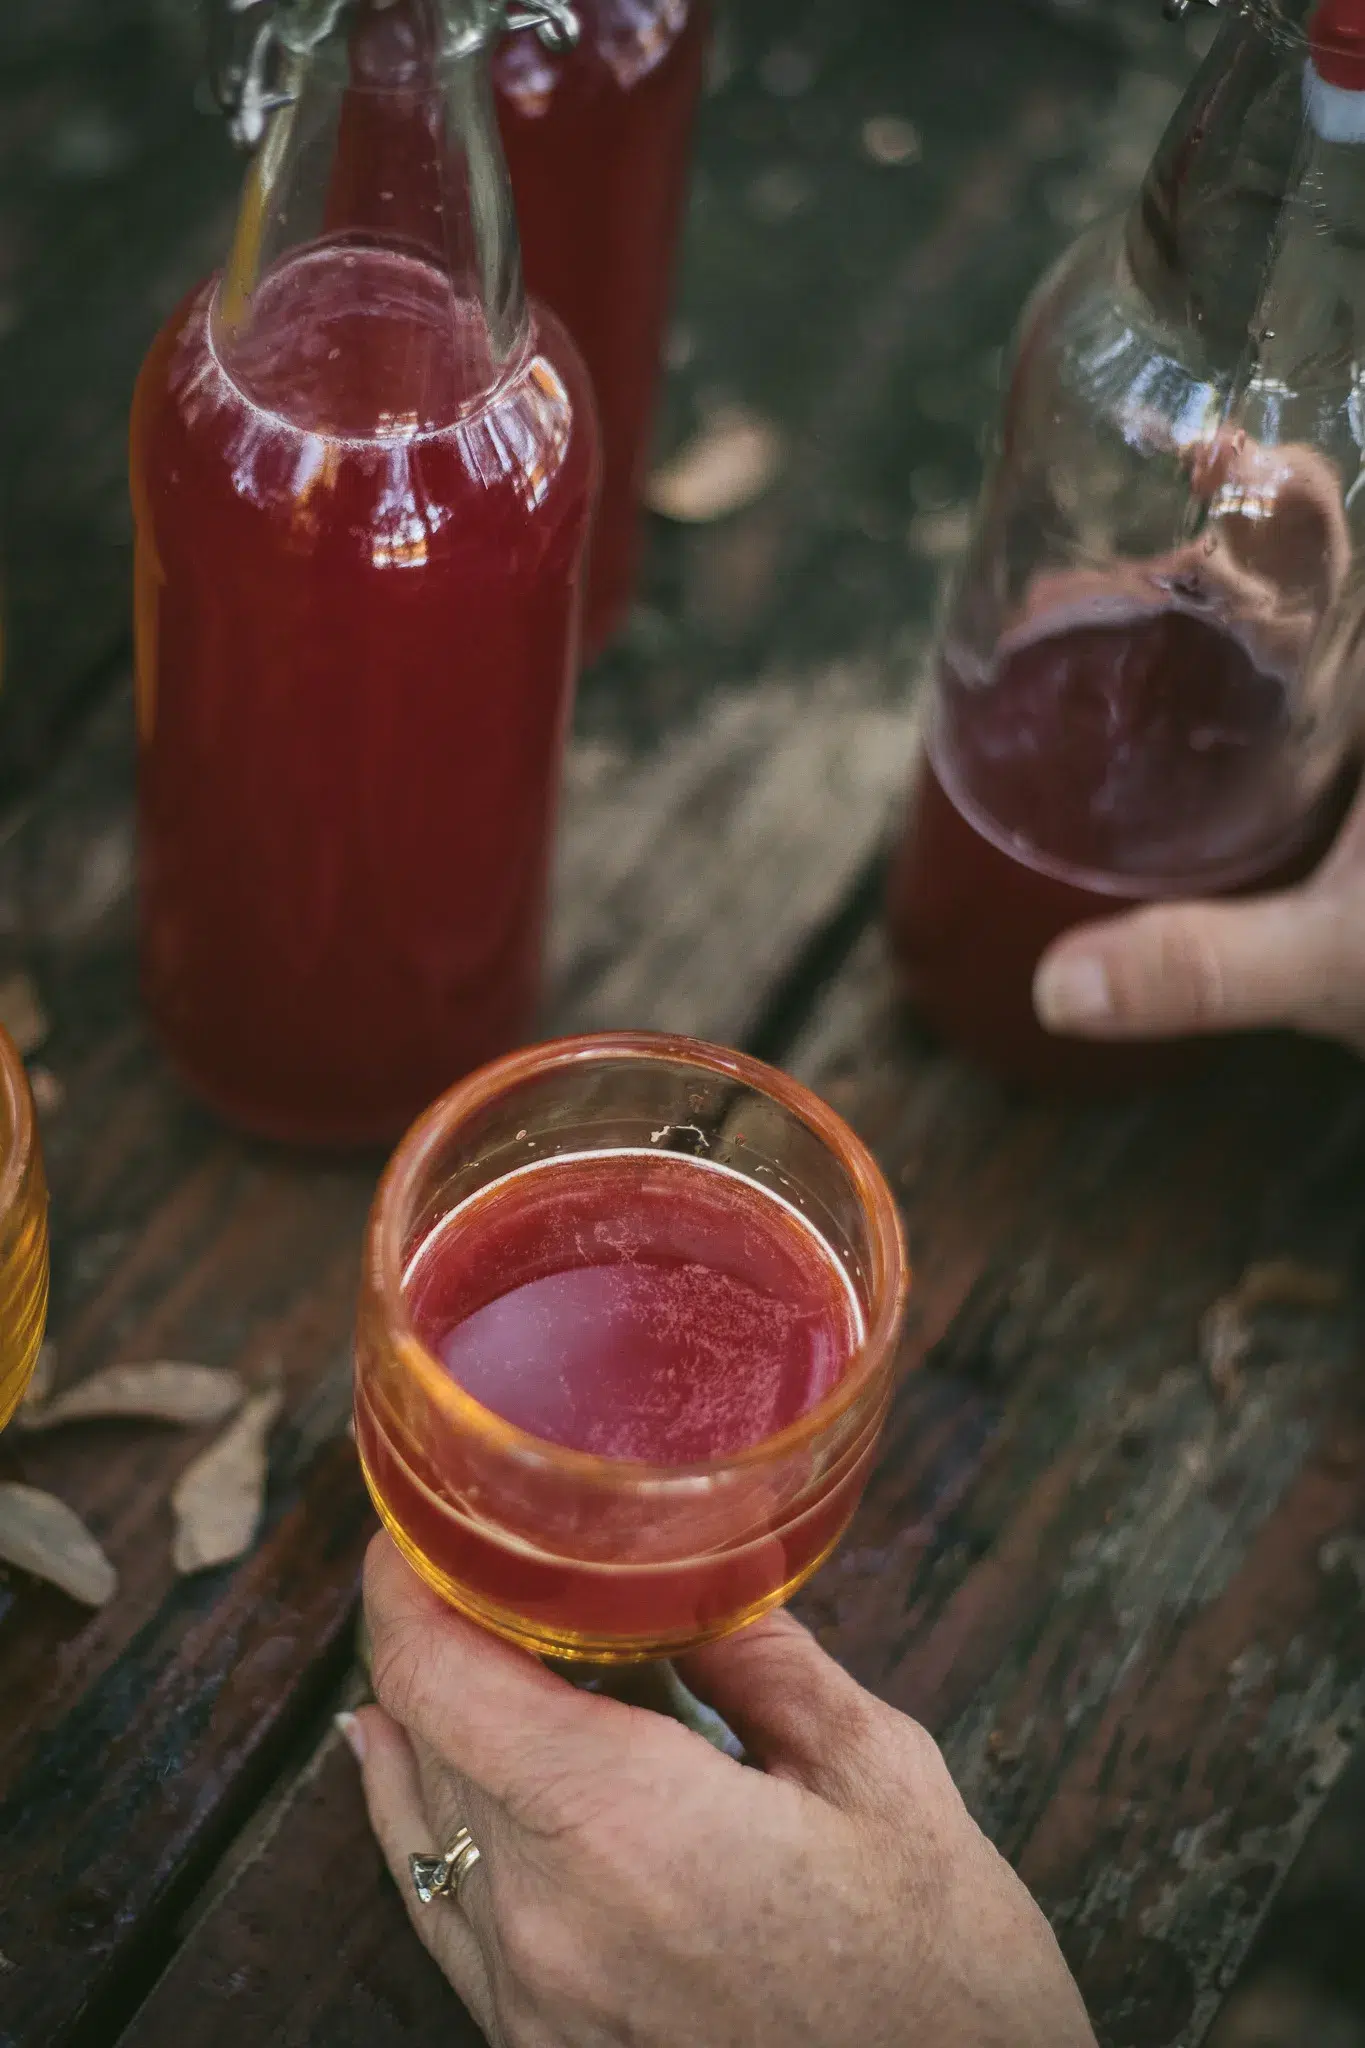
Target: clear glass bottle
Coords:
[(1150, 677), (599, 143), (363, 472)]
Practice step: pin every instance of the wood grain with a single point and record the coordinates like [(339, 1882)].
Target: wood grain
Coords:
[(1139, 1632), (1133, 1612), (1096, 1584), (132, 1742)]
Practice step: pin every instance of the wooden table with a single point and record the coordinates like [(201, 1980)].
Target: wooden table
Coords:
[(1130, 1602)]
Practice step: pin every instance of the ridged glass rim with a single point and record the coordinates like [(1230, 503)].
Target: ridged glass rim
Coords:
[(18, 1149), (888, 1275)]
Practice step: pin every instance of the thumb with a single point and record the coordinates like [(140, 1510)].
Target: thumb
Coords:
[(795, 1710), (1171, 969)]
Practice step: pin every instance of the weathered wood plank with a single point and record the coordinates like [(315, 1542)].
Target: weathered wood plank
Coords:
[(1140, 1636), (759, 821), (356, 1976), (1131, 1608)]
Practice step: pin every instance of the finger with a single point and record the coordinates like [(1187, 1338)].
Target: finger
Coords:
[(403, 1828), (1292, 959), (796, 1711), (495, 1712), (456, 1802)]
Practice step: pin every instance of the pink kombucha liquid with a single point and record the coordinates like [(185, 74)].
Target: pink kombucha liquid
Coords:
[(357, 615), (653, 1309), (1099, 767), (598, 142)]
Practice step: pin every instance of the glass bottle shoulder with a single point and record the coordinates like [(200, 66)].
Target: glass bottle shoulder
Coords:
[(1097, 355), (347, 409)]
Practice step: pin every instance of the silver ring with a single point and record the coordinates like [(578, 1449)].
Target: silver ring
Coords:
[(442, 1877)]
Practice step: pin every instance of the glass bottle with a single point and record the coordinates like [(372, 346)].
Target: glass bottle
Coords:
[(598, 141), (23, 1232), (363, 471), (1149, 680)]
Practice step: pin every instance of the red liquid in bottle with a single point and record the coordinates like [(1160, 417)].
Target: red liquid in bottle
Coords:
[(1100, 767), (597, 142), (357, 599), (634, 1306)]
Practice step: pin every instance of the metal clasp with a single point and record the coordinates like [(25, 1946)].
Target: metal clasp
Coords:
[(242, 66), (245, 50), (555, 22)]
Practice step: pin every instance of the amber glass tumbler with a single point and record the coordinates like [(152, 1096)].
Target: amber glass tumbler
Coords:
[(566, 1552)]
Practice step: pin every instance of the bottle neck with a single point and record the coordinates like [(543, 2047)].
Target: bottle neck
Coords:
[(1239, 159), (379, 196)]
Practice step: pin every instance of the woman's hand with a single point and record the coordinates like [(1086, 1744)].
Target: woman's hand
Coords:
[(1296, 959), (1274, 556), (636, 1886)]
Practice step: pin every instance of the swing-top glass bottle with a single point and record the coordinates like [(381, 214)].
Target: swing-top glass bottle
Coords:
[(363, 472)]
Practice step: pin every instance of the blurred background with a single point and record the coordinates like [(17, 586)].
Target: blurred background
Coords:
[(878, 182), (877, 185)]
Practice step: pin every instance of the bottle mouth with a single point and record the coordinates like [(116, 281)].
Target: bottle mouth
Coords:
[(450, 29), (258, 47), (434, 30)]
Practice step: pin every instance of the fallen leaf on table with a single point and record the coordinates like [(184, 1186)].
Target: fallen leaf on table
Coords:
[(22, 1012), (42, 1535), (218, 1499), (163, 1392), (1224, 1341), (1225, 1329), (48, 1092), (888, 139), (1285, 1283), (728, 465)]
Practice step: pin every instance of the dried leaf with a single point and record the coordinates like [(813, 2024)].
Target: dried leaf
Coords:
[(940, 536), (22, 1012), (1224, 1340), (1225, 1330), (725, 467), (43, 1536), (888, 139), (164, 1392), (218, 1499), (1285, 1283), (48, 1091)]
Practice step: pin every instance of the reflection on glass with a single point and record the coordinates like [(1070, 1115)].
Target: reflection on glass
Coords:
[(627, 1329)]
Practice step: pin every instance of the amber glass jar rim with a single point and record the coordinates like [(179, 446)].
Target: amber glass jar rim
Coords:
[(889, 1272), (18, 1149)]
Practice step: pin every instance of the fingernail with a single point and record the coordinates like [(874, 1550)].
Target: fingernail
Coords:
[(353, 1734), (1073, 989)]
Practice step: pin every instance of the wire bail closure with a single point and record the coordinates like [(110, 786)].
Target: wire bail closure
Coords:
[(244, 68), (556, 23)]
